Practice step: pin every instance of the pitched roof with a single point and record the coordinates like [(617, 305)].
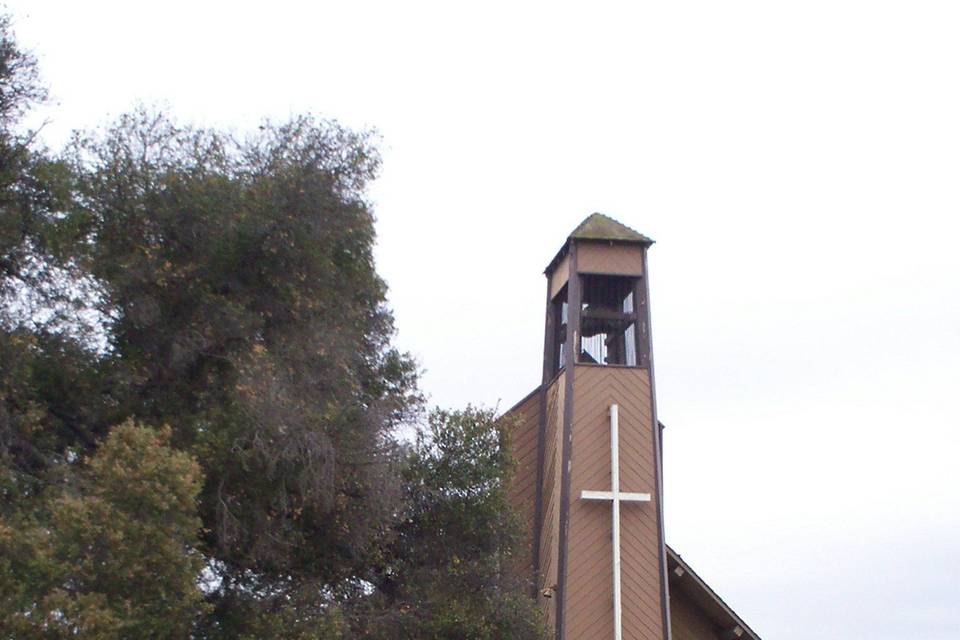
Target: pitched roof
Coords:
[(600, 228), (684, 578), (597, 226)]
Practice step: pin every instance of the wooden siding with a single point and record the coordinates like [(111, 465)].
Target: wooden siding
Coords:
[(687, 620), (559, 276), (525, 422), (603, 257), (522, 491), (549, 544), (589, 598)]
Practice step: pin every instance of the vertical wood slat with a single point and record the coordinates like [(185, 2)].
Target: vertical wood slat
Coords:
[(641, 328)]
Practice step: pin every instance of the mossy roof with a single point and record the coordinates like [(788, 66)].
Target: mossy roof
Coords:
[(600, 227)]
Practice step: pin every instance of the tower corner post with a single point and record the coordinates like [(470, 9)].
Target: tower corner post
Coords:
[(570, 351), (658, 454)]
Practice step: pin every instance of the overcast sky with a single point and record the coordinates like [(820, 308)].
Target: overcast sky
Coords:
[(798, 164)]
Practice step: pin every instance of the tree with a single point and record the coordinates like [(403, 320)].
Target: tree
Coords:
[(32, 186), (113, 554), (20, 89), (155, 274), (48, 389), (244, 308), (450, 573)]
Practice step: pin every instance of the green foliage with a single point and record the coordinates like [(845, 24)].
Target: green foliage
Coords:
[(155, 274), (451, 574), (113, 553), (242, 306), (20, 85), (49, 388), (304, 618), (31, 184)]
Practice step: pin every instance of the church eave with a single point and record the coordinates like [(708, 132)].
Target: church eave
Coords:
[(685, 578), (598, 227)]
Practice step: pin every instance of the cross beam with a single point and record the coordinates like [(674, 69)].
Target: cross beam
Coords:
[(615, 496)]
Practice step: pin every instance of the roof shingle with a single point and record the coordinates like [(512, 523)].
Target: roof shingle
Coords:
[(600, 227)]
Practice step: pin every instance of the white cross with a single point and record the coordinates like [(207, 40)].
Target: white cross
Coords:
[(616, 497)]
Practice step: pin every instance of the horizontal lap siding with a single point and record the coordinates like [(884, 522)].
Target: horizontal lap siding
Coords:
[(589, 600)]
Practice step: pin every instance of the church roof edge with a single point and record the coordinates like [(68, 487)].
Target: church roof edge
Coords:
[(598, 226), (601, 228), (707, 598)]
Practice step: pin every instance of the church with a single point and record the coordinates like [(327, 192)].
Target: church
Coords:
[(587, 441)]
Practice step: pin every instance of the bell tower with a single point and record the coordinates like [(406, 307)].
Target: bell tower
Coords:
[(588, 445)]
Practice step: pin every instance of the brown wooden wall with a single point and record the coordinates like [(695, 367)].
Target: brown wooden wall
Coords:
[(589, 598), (687, 620), (559, 276), (550, 536), (522, 491), (525, 422), (605, 257)]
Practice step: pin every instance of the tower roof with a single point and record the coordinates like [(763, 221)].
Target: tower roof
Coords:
[(601, 228), (597, 226)]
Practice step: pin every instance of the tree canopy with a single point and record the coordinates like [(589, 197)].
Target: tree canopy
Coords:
[(200, 398), (114, 555)]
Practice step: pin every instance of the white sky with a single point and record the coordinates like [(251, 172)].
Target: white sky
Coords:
[(797, 163)]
